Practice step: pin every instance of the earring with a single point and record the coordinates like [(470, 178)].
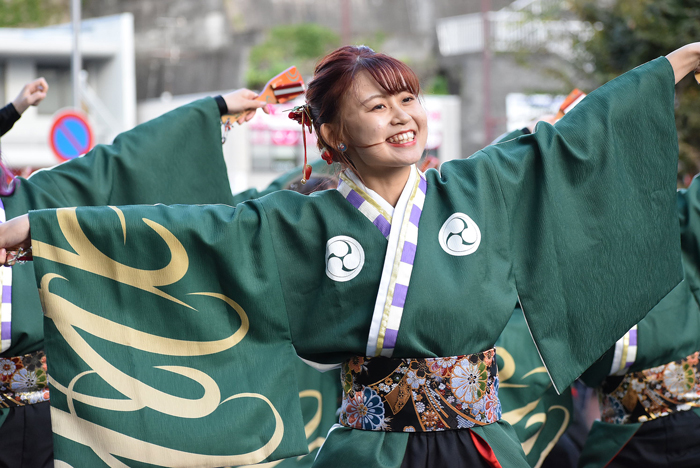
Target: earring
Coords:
[(342, 148)]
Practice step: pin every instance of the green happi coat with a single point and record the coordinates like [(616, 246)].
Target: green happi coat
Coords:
[(145, 166), (234, 294), (670, 332)]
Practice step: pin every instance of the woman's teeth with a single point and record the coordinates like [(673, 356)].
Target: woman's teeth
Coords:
[(403, 137)]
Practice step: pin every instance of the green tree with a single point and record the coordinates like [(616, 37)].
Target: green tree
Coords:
[(628, 33), (28, 13), (300, 45)]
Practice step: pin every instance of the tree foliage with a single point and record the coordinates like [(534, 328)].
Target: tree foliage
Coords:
[(29, 13), (628, 33), (300, 45)]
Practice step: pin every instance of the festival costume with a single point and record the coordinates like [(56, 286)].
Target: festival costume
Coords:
[(140, 167), (649, 382), (234, 294)]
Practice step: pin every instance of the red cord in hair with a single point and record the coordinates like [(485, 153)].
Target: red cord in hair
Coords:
[(301, 115)]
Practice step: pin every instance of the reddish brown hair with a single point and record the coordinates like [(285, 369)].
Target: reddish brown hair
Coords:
[(334, 76)]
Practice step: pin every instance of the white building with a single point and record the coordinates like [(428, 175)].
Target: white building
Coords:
[(108, 91)]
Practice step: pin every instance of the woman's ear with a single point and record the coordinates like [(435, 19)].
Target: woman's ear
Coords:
[(327, 132)]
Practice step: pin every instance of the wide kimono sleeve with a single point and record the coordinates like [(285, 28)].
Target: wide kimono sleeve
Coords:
[(670, 331), (593, 222), (175, 158), (689, 217), (167, 336)]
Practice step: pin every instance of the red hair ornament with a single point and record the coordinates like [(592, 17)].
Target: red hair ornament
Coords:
[(302, 116)]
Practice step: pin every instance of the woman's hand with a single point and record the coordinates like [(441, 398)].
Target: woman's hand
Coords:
[(14, 235), (31, 95), (243, 100), (685, 60)]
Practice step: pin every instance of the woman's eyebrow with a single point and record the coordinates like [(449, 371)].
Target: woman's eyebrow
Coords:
[(374, 96)]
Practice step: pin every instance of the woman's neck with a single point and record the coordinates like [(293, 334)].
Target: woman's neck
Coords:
[(388, 184)]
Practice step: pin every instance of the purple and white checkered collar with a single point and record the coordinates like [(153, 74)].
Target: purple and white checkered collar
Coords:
[(400, 226), (6, 305)]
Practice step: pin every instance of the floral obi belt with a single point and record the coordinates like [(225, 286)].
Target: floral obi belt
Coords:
[(23, 380), (420, 395), (651, 393)]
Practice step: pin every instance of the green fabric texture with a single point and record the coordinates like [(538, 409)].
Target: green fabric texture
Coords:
[(574, 227), (559, 214), (668, 333), (689, 216), (179, 365), (529, 402), (604, 442)]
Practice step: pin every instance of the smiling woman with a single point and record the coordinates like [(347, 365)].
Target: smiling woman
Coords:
[(365, 108), (404, 279)]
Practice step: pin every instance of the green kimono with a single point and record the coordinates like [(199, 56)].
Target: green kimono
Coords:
[(235, 294), (668, 334), (142, 166)]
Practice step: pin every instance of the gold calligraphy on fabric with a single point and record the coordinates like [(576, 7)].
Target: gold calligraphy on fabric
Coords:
[(531, 413), (69, 318)]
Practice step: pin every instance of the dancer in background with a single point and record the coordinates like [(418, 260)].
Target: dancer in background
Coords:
[(649, 383), (31, 95)]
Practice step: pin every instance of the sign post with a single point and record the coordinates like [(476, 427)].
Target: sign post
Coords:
[(71, 135)]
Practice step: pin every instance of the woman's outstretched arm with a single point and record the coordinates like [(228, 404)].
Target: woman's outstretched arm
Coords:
[(685, 60)]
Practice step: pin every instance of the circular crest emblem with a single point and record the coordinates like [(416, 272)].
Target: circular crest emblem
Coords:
[(344, 258), (459, 235)]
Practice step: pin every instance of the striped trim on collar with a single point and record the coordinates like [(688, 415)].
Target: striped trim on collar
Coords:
[(6, 305)]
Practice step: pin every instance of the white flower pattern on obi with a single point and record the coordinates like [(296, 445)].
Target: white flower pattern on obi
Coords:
[(413, 380), (676, 379), (24, 381), (469, 381), (7, 367)]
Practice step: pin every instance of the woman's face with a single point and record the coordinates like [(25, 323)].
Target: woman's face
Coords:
[(382, 132)]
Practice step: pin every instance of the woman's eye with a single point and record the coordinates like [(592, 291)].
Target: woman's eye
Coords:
[(408, 99), (378, 107)]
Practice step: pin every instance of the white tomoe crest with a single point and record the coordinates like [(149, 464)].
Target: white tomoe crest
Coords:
[(344, 258), (459, 235)]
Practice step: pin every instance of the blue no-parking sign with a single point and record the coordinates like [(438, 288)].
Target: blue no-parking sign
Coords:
[(71, 135)]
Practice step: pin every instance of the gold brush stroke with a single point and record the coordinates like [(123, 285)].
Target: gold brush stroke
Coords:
[(117, 444), (505, 373), (88, 258), (62, 311), (537, 370), (515, 416), (556, 438), (309, 428), (315, 421), (68, 317), (120, 214)]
